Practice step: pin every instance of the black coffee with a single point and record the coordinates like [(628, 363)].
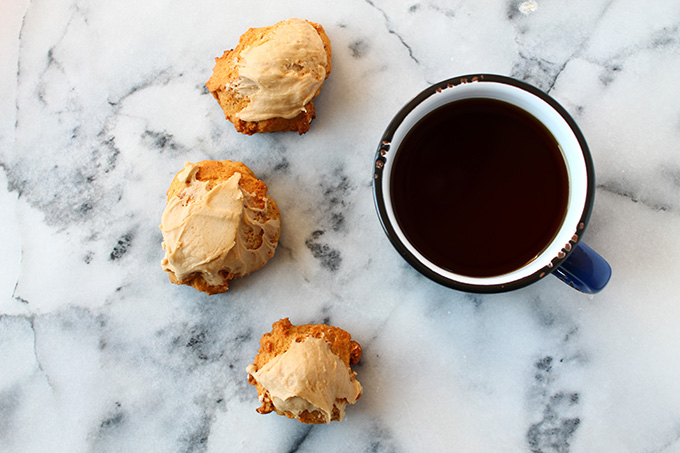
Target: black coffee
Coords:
[(479, 187)]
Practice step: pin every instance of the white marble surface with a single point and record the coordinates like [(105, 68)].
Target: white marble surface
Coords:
[(102, 102)]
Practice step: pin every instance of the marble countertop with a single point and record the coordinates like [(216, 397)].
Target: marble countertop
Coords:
[(103, 102)]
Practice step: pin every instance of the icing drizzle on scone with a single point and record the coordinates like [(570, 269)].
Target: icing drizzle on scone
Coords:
[(208, 228), (282, 73), (308, 377)]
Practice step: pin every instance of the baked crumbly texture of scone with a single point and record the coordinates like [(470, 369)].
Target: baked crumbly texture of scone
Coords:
[(218, 224), (303, 372), (267, 82)]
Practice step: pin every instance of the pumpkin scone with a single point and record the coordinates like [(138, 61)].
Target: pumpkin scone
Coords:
[(267, 82), (303, 372), (219, 224)]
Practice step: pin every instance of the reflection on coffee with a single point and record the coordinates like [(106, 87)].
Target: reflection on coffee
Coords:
[(479, 187)]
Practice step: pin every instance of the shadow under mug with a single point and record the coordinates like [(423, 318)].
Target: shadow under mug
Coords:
[(565, 256)]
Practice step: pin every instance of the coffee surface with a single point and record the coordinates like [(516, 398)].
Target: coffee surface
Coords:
[(479, 187)]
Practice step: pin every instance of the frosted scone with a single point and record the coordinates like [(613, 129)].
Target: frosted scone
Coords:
[(304, 372), (218, 225), (268, 81)]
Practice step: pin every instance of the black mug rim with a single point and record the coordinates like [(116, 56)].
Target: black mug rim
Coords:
[(384, 149)]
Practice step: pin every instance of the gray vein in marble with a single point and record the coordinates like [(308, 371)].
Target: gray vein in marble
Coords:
[(300, 439), (668, 446), (122, 246), (15, 296), (447, 12), (50, 53), (199, 353), (535, 69), (79, 189), (560, 413), (554, 431), (336, 191), (18, 298), (160, 140), (666, 38), (538, 71), (392, 31), (380, 439), (115, 418), (282, 166), (80, 183), (29, 320), (358, 48), (513, 10), (618, 188), (329, 257), (112, 425), (476, 299), (157, 78), (611, 70), (277, 165), (439, 307), (10, 400), (38, 362), (197, 439)]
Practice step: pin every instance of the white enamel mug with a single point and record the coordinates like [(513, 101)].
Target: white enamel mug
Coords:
[(566, 256)]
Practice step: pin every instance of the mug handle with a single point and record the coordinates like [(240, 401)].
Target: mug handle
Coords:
[(584, 270)]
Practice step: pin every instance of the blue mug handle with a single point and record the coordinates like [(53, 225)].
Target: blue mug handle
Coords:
[(584, 270)]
